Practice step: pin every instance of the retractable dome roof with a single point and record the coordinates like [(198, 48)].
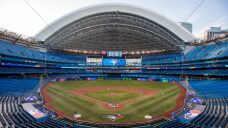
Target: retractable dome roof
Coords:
[(114, 27)]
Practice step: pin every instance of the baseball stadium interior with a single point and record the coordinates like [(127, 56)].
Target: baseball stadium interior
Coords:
[(123, 59)]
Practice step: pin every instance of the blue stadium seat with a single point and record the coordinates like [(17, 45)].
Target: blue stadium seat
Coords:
[(17, 87), (210, 88)]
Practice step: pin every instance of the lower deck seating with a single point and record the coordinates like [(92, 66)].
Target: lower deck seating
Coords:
[(215, 93), (12, 93), (215, 114), (176, 124), (210, 88), (17, 86), (49, 123), (68, 122), (12, 113)]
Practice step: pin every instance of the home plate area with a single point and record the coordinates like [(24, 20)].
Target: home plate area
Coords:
[(114, 117), (111, 105)]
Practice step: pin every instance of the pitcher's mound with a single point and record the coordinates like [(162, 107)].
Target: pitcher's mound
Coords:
[(113, 94)]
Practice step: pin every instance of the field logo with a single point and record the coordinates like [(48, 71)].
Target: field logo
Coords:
[(148, 117), (114, 117), (77, 115), (114, 61)]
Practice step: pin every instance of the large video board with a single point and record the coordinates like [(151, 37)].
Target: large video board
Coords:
[(113, 62)]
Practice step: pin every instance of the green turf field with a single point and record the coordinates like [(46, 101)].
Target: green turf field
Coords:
[(104, 95), (134, 111)]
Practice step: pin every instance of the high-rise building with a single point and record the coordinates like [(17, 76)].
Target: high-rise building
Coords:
[(214, 32), (186, 25)]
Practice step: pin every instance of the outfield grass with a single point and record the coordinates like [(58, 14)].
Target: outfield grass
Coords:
[(152, 105)]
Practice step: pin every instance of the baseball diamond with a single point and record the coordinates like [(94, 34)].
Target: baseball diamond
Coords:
[(133, 99), (102, 64)]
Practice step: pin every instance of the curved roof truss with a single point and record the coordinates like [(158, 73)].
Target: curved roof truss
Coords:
[(114, 27)]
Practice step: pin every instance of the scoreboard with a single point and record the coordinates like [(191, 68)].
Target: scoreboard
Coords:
[(114, 53)]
